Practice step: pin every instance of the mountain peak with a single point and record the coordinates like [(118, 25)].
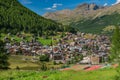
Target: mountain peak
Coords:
[(86, 6), (82, 5), (82, 11)]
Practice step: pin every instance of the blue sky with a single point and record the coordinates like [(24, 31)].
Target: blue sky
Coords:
[(43, 6)]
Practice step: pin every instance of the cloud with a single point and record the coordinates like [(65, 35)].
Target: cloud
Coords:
[(117, 1), (105, 4), (49, 8), (26, 2), (54, 6)]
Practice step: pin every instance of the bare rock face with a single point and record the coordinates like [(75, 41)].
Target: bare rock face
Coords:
[(64, 12), (59, 15), (86, 6), (94, 7)]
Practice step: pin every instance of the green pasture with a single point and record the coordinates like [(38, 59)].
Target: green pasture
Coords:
[(29, 64), (106, 74)]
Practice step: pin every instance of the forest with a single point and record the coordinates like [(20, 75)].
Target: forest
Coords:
[(16, 18)]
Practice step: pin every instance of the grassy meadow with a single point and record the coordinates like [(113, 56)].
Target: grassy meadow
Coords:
[(30, 71), (106, 74), (29, 64), (29, 37)]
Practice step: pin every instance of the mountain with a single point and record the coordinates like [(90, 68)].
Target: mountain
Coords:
[(67, 16), (89, 17), (16, 18)]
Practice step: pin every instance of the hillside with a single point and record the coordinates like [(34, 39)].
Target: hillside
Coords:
[(16, 18), (67, 16), (98, 24), (89, 17)]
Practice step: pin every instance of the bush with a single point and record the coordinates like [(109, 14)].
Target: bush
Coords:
[(78, 57), (43, 67), (117, 77), (54, 62), (44, 58), (17, 68), (60, 62)]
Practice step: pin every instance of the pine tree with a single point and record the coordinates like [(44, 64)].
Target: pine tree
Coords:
[(3, 57), (115, 50), (115, 46)]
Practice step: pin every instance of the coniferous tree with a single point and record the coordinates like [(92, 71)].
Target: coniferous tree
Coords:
[(115, 50), (115, 46), (3, 57), (16, 18)]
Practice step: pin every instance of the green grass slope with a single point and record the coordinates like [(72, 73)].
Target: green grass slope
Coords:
[(107, 74), (96, 25)]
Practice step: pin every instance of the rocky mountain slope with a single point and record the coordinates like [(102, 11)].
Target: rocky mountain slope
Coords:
[(81, 11), (88, 17)]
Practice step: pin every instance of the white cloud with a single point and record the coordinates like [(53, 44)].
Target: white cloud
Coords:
[(117, 1), (26, 2), (105, 4), (54, 6), (57, 4), (49, 8)]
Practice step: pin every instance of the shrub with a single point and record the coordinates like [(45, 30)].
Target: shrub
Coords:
[(117, 77), (54, 62), (43, 67), (60, 62), (17, 68), (44, 58)]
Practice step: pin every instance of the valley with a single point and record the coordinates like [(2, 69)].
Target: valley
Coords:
[(75, 43), (89, 18)]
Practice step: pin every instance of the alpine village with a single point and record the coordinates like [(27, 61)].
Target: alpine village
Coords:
[(69, 44)]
